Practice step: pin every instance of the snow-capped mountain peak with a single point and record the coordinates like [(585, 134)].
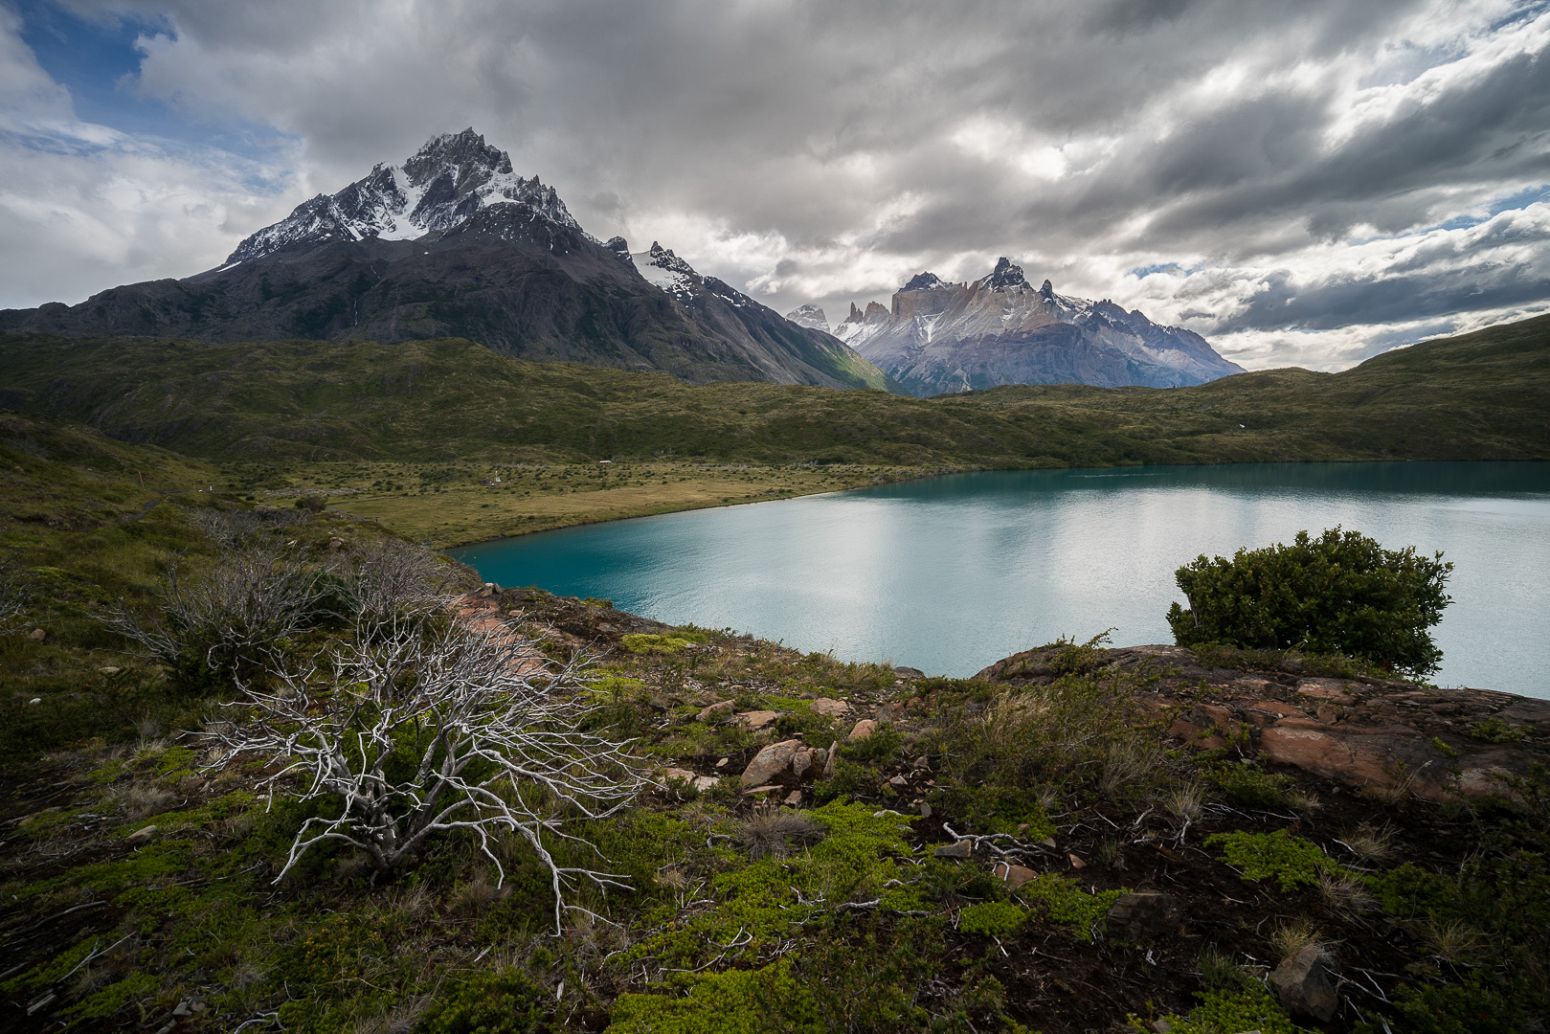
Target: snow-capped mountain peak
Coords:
[(809, 316), (1005, 276), (452, 177), (924, 282), (669, 272)]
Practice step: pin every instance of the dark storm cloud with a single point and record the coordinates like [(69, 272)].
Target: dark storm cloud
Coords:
[(823, 151)]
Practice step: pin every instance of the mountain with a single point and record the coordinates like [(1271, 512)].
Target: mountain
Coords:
[(452, 243), (810, 316), (941, 337)]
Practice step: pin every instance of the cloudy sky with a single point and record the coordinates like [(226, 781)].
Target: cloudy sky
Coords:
[(1304, 182)]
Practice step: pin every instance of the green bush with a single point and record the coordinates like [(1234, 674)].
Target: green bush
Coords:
[(1340, 593)]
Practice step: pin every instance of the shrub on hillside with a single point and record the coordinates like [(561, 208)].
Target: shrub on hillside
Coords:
[(1339, 593)]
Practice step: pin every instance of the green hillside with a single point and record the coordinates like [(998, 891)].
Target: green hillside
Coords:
[(1484, 395)]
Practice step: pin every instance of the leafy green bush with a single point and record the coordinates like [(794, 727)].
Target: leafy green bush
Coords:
[(1340, 593), (1290, 860)]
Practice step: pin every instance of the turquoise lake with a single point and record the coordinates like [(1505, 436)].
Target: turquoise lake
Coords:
[(950, 574)]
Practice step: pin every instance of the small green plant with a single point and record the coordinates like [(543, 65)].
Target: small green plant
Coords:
[(991, 918), (1494, 730), (1250, 1007), (1291, 861), (1249, 787), (1340, 593)]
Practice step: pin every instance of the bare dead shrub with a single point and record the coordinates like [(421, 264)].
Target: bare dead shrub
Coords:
[(13, 595), (229, 622), (417, 727), (388, 577)]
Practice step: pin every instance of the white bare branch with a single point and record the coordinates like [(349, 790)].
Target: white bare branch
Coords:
[(418, 725)]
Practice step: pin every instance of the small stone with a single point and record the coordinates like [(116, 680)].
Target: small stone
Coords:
[(37, 635), (925, 810), (1305, 984), (720, 707), (756, 720), (1076, 863), (794, 798), (723, 763), (960, 849), (705, 782), (183, 1008), (829, 707), (35, 700), (141, 835), (1048, 842), (767, 788), (335, 544), (109, 669), (681, 775), (862, 729), (898, 782), (1013, 876)]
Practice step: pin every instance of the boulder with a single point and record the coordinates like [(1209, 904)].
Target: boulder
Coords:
[(786, 762), (909, 674), (829, 707), (1145, 915), (1305, 984), (862, 729)]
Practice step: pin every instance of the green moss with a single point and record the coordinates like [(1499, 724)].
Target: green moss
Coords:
[(1065, 902), (660, 644), (503, 1002), (735, 1002), (991, 918), (1291, 861), (1229, 1012), (857, 860), (137, 989)]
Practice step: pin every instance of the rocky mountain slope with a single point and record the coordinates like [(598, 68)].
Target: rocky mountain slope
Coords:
[(452, 243), (941, 337)]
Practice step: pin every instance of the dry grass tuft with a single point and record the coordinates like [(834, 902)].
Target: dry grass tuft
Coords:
[(1290, 938), (776, 834), (1371, 843)]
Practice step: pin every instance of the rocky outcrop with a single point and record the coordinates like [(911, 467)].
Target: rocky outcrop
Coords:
[(1363, 732), (1305, 984)]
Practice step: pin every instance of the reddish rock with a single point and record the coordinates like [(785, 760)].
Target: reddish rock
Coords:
[(756, 720), (830, 707), (716, 710), (862, 729), (1013, 876)]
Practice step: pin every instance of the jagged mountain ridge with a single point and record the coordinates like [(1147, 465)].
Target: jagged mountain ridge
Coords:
[(939, 337), (452, 243)]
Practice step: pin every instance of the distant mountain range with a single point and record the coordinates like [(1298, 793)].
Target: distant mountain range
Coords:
[(940, 337), (452, 243)]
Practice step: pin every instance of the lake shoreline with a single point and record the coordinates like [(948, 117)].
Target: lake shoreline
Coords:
[(946, 574)]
